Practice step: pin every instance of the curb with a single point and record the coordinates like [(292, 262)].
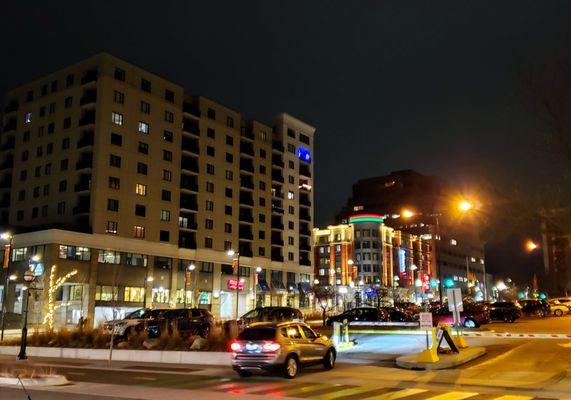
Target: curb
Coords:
[(446, 361), (519, 335)]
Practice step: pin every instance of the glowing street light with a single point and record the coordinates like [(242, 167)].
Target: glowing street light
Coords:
[(35, 258), (191, 267), (407, 213), (530, 245), (350, 262), (465, 206)]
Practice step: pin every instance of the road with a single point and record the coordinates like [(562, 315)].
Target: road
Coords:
[(517, 369)]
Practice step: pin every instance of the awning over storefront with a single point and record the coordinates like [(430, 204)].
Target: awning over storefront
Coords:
[(263, 285), (292, 287), (278, 286)]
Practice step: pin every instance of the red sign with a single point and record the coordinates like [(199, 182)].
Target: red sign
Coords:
[(234, 284)]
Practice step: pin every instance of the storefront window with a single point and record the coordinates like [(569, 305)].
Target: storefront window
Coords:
[(106, 293), (205, 298), (74, 253), (133, 294), (163, 263), (20, 254), (161, 295), (109, 257), (138, 260)]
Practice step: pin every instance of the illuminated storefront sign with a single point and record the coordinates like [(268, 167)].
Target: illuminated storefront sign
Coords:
[(353, 219), (234, 284), (304, 154)]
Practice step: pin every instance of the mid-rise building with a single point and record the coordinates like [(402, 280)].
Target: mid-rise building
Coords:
[(143, 188)]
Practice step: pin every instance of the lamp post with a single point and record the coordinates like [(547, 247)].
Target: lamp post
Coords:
[(256, 277), (236, 259), (29, 277), (7, 237), (148, 279), (191, 268)]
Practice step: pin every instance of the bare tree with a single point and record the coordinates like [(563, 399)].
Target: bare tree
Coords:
[(325, 299)]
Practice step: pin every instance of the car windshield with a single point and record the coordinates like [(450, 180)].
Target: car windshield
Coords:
[(251, 314), (257, 334), (137, 314)]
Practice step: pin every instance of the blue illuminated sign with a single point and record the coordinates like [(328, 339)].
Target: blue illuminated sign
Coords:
[(303, 154), (38, 268)]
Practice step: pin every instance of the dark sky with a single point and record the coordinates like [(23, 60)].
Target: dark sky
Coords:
[(389, 85)]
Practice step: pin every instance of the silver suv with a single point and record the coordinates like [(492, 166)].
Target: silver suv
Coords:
[(282, 347)]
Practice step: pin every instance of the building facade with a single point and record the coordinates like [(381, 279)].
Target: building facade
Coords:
[(423, 206), (127, 169)]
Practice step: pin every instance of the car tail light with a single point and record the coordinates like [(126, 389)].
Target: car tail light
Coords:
[(235, 346), (270, 346)]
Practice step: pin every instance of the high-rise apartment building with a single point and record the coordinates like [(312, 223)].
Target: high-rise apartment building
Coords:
[(120, 174)]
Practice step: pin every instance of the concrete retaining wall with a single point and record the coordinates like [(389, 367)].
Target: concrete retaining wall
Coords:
[(172, 357)]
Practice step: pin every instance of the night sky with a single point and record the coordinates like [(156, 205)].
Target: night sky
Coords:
[(432, 86)]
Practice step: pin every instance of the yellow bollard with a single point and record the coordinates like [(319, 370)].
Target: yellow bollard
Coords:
[(431, 354)]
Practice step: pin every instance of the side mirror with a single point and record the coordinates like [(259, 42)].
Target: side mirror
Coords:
[(317, 334)]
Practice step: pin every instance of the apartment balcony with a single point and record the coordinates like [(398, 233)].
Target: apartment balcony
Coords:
[(189, 182), (245, 249), (246, 182), (278, 146), (89, 77), (276, 254), (304, 245), (304, 259), (277, 239), (304, 229), (89, 97), (277, 161), (191, 127), (304, 201), (187, 220), (247, 165), (10, 125), (245, 215), (304, 170), (246, 199), (88, 118), (245, 233), (83, 205), (189, 164), (8, 163), (277, 176), (11, 107), (304, 215), (187, 240), (6, 182), (247, 148), (190, 145), (188, 202), (192, 109), (86, 140), (9, 145), (277, 210), (277, 193), (85, 161), (277, 224), (247, 133)]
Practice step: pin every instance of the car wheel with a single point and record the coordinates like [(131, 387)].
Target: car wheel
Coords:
[(558, 313), (470, 323), (244, 373), (507, 318), (329, 359), (291, 367)]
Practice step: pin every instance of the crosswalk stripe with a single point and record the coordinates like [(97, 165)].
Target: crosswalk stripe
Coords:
[(342, 393), (396, 395), (513, 397), (453, 396), (369, 393), (278, 387), (305, 389)]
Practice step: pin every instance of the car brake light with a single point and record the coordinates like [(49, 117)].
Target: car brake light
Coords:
[(271, 346), (235, 346)]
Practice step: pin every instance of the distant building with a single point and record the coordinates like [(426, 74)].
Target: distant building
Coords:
[(420, 205), (556, 247)]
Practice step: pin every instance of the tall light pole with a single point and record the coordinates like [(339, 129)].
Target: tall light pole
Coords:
[(256, 277), (7, 237), (236, 259), (29, 277), (190, 268)]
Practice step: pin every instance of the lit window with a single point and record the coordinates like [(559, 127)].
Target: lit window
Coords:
[(133, 294), (165, 215), (290, 195), (358, 208), (28, 118), (109, 257), (141, 189), (139, 231), (117, 118), (453, 242), (111, 227), (473, 259), (143, 127)]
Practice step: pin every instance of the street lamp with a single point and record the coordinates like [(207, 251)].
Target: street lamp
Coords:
[(407, 213), (7, 237), (29, 277), (236, 259), (530, 245), (256, 277), (148, 279), (190, 268)]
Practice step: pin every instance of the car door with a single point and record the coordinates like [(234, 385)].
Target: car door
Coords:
[(298, 341), (316, 348)]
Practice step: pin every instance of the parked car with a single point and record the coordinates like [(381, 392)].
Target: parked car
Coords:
[(537, 308), (398, 314), (270, 314), (186, 321), (133, 322), (564, 300), (282, 347), (506, 311), (558, 309), (365, 314), (473, 315)]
